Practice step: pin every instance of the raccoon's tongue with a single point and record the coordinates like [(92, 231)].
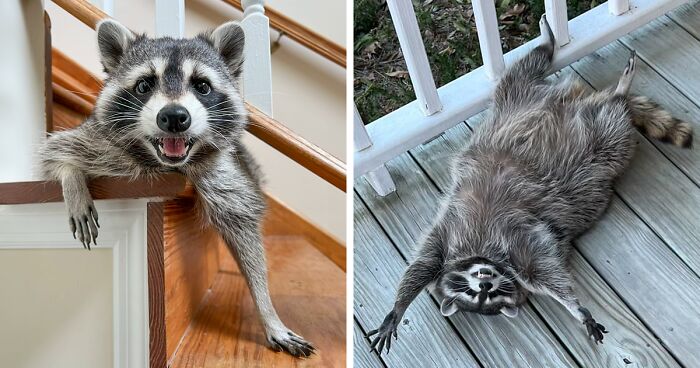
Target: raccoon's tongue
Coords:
[(174, 147)]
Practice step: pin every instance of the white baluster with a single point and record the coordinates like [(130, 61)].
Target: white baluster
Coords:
[(170, 18), (618, 7), (558, 20), (406, 26), (361, 138), (379, 178), (257, 67), (107, 6), (489, 37)]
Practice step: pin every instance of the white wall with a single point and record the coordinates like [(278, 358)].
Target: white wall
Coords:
[(53, 302), (308, 91)]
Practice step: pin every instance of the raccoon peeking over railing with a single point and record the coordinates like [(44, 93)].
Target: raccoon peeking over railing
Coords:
[(174, 105)]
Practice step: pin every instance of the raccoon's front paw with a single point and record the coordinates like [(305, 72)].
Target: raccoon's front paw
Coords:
[(384, 332), (594, 329), (83, 220), (284, 339)]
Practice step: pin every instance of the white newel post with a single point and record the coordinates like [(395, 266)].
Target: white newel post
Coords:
[(22, 100), (406, 25), (257, 67), (170, 18)]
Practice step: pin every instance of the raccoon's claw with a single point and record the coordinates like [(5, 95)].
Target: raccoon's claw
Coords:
[(84, 226), (384, 332), (291, 343), (595, 330)]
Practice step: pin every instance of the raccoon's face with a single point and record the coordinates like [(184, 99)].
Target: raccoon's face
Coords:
[(481, 286), (168, 101)]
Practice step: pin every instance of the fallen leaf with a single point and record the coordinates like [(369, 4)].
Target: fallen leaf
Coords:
[(398, 74)]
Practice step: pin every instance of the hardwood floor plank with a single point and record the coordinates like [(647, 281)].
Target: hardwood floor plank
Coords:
[(495, 340), (227, 332), (426, 339)]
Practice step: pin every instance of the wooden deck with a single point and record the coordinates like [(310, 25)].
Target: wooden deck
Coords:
[(637, 270)]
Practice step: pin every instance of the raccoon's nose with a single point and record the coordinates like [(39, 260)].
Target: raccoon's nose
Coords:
[(173, 118)]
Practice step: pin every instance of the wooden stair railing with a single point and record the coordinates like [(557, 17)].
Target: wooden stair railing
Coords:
[(302, 34), (270, 131)]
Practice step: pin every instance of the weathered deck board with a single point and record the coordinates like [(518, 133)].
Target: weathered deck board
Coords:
[(667, 199), (378, 268), (495, 340), (688, 17), (363, 358), (629, 338)]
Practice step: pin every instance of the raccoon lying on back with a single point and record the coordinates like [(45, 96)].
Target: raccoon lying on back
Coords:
[(537, 173), (173, 105)]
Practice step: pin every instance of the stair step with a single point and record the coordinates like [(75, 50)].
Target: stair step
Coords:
[(308, 291)]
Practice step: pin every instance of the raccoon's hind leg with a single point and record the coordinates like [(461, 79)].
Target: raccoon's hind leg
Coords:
[(653, 121), (625, 82), (514, 88)]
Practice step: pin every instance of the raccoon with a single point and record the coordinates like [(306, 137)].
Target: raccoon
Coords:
[(174, 105), (537, 173)]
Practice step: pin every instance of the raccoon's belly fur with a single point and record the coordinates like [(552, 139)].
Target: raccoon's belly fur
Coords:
[(554, 162)]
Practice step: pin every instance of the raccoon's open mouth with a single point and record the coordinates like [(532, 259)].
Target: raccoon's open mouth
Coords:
[(172, 149)]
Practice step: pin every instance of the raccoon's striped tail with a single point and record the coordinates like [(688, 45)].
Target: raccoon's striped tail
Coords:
[(653, 121)]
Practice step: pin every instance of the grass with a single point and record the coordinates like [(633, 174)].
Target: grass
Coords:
[(381, 81)]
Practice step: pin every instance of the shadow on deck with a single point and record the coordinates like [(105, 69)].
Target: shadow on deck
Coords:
[(637, 270)]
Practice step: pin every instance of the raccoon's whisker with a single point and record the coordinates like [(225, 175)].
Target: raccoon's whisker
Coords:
[(142, 105), (222, 102)]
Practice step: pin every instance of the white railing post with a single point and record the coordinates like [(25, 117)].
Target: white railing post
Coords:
[(379, 178), (257, 66), (558, 20), (618, 7), (489, 37), (170, 18), (406, 25), (107, 6)]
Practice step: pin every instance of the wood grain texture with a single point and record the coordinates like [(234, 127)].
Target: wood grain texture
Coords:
[(629, 340), (662, 195), (495, 340), (362, 357), (302, 34), (156, 285), (282, 220), (227, 333), (269, 130), (166, 185), (426, 338), (191, 263)]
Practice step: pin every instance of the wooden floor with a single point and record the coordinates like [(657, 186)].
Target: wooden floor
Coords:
[(308, 291), (637, 270)]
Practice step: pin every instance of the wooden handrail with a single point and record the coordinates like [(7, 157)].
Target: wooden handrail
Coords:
[(302, 34), (270, 131)]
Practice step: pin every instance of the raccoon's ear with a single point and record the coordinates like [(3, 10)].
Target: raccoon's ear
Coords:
[(448, 307), (228, 39), (510, 312), (112, 39)]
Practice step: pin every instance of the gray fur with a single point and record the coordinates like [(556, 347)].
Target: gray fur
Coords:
[(537, 173), (117, 140)]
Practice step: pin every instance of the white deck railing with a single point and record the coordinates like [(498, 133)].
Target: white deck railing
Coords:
[(433, 113)]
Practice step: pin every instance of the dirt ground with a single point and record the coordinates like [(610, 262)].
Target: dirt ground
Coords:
[(381, 81)]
